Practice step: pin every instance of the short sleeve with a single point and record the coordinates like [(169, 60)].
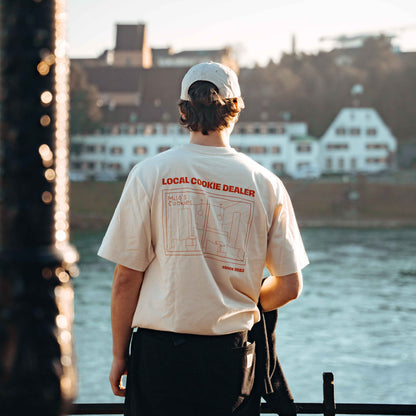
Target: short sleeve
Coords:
[(285, 250), (128, 238)]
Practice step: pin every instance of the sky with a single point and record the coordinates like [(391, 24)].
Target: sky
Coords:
[(258, 30)]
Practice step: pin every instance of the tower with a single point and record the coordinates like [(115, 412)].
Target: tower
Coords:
[(131, 46)]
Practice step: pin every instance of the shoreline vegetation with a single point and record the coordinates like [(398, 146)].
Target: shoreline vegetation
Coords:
[(334, 203)]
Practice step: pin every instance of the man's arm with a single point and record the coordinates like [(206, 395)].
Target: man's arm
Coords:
[(277, 291), (124, 296)]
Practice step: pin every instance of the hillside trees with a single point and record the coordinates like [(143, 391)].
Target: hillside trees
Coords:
[(314, 88), (85, 113)]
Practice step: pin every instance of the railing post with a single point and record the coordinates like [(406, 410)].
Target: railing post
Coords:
[(329, 396), (37, 373)]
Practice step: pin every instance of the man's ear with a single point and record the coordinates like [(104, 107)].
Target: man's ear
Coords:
[(235, 102), (182, 114), (238, 104)]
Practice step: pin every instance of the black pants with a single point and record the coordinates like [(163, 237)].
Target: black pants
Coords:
[(184, 375)]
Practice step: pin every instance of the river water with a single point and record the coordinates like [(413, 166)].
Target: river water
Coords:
[(356, 318)]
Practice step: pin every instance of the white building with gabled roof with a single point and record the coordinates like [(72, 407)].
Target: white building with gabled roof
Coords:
[(358, 140)]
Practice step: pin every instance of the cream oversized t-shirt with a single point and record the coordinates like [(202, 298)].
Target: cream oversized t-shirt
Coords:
[(202, 222)]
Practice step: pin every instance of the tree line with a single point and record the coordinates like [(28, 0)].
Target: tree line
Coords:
[(315, 87)]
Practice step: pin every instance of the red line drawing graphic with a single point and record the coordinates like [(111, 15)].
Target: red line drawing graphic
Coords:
[(206, 223)]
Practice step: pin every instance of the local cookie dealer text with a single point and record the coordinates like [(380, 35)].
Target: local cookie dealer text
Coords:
[(208, 184)]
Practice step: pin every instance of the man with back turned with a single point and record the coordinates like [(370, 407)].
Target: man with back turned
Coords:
[(193, 231)]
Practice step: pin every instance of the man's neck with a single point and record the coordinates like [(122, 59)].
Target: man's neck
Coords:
[(217, 138)]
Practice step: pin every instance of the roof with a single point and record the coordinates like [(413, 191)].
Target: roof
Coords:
[(159, 91), (408, 57), (161, 52), (202, 52), (114, 79), (121, 113), (130, 37)]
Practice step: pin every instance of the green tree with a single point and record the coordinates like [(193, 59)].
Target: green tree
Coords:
[(85, 112)]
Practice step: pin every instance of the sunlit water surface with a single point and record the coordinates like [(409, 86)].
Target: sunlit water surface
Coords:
[(356, 318)]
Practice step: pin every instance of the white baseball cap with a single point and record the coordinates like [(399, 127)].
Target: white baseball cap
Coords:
[(223, 77)]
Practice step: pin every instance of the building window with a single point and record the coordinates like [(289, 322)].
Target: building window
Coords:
[(132, 130), (371, 132), (376, 146), (353, 163), (275, 149), (89, 148), (376, 160), (242, 130), (140, 150), (257, 130), (115, 166), (303, 148), (340, 131), (272, 130), (328, 163), (140, 129), (101, 148), (256, 149), (301, 165), (90, 165), (249, 128), (149, 129), (341, 163), (337, 146), (355, 131), (278, 167), (124, 129), (161, 149), (116, 150)]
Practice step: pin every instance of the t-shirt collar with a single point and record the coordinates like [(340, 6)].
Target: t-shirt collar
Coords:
[(209, 150)]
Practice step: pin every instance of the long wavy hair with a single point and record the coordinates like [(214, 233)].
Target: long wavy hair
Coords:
[(208, 110)]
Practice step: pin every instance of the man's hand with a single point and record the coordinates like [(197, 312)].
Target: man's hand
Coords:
[(124, 296), (118, 369)]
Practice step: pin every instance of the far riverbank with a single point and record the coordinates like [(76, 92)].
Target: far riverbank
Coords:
[(358, 204)]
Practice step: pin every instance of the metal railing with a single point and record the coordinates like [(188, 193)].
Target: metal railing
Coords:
[(327, 408)]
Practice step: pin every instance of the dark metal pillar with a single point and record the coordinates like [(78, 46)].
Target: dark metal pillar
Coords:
[(37, 375), (329, 396)]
